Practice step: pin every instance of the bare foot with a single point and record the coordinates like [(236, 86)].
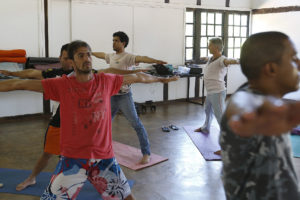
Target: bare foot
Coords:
[(25, 184), (1, 185), (218, 152), (200, 130), (145, 159)]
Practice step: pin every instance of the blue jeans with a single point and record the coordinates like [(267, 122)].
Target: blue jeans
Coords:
[(214, 104), (126, 105)]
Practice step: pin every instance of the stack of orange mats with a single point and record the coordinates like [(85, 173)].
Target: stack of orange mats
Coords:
[(15, 55)]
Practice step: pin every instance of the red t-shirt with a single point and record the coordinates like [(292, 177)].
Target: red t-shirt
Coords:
[(85, 114)]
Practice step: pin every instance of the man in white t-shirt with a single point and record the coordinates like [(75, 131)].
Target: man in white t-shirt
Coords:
[(123, 100), (214, 74)]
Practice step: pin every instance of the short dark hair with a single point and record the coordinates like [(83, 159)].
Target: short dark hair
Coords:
[(64, 48), (73, 46), (123, 37), (260, 49), (217, 42)]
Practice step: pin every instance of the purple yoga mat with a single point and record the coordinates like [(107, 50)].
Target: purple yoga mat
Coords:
[(207, 144)]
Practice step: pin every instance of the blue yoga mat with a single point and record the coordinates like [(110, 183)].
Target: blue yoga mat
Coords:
[(12, 177), (295, 140)]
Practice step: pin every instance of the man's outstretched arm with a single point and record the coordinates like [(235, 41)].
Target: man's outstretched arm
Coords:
[(100, 55), (121, 71), (19, 84), (250, 114), (145, 59), (146, 78), (27, 73)]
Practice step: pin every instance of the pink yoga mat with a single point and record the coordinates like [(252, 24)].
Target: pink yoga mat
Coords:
[(207, 144), (129, 156)]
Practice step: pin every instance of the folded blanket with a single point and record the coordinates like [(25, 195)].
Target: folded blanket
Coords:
[(13, 59), (11, 66), (13, 53)]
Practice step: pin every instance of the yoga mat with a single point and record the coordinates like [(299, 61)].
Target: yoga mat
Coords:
[(207, 144), (12, 177), (13, 53), (295, 140), (129, 156)]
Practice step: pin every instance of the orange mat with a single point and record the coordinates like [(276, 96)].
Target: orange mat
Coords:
[(13, 59), (13, 53), (129, 156)]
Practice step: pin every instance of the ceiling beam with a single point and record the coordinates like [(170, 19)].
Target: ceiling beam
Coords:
[(276, 10), (227, 4)]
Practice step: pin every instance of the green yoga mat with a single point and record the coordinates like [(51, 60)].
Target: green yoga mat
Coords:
[(295, 140)]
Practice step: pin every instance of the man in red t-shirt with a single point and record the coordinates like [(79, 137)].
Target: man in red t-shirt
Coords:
[(86, 141)]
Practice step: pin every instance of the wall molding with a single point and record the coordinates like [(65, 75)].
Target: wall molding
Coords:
[(133, 3), (275, 10), (173, 4)]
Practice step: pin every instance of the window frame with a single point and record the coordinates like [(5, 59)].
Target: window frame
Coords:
[(225, 27), (188, 36)]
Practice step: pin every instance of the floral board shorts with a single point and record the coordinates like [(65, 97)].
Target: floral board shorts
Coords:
[(71, 174)]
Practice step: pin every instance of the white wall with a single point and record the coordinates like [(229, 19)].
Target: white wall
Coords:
[(20, 103), (221, 4), (235, 78), (158, 33), (22, 28), (59, 17), (285, 22), (155, 32), (240, 4), (95, 24)]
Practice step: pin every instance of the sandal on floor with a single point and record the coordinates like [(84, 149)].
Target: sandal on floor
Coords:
[(173, 127), (165, 129)]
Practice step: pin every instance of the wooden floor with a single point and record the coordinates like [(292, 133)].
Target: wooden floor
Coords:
[(186, 175)]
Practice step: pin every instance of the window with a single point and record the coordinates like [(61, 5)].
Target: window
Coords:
[(210, 26), (237, 33), (201, 25), (189, 35)]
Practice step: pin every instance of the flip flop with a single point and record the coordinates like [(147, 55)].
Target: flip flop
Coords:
[(165, 129), (173, 127)]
